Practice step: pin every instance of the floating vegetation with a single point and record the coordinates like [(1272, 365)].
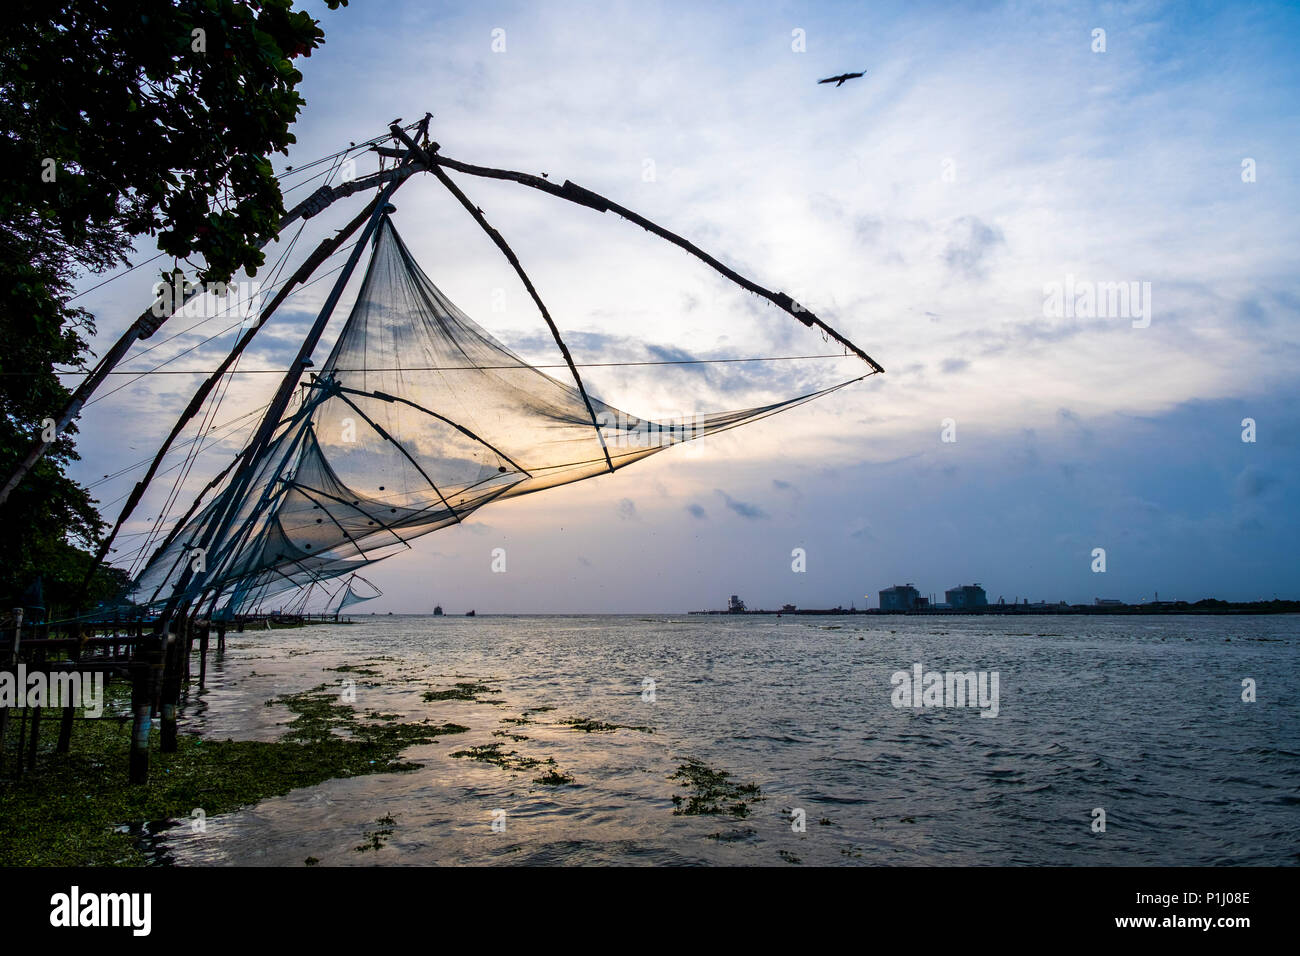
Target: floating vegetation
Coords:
[(733, 836), (79, 809), (320, 712), (505, 733), (589, 726), (515, 720), (514, 761), (788, 856), (713, 792), (463, 690), (544, 709), (553, 778), (377, 838), (505, 759), (360, 670), (310, 861)]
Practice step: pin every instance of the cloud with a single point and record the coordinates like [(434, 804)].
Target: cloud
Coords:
[(1253, 482), (861, 531), (742, 508), (970, 244), (627, 509), (1104, 167)]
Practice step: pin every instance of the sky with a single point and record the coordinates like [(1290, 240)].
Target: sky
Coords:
[(995, 160)]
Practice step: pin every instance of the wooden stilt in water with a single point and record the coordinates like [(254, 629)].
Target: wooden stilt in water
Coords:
[(171, 686), (144, 672), (221, 638), (203, 655)]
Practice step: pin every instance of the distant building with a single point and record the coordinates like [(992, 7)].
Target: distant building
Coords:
[(735, 605), (966, 595), (901, 597), (787, 607), (1107, 602)]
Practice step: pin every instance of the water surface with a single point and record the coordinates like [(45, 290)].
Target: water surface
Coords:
[(1142, 717)]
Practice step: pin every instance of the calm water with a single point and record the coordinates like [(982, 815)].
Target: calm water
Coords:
[(1141, 717)]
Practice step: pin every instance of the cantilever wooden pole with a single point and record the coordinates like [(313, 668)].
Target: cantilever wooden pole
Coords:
[(509, 253), (574, 193)]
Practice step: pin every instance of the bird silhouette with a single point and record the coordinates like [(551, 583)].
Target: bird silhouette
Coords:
[(839, 80)]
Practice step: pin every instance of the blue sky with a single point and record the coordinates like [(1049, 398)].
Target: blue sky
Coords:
[(923, 210)]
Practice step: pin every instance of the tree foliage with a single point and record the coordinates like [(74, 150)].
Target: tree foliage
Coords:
[(119, 120)]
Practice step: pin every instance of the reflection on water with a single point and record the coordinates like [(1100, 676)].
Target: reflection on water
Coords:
[(1140, 717)]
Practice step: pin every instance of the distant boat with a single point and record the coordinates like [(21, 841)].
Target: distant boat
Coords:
[(469, 613), (437, 610)]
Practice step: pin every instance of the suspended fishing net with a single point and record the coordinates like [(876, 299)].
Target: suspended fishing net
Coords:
[(354, 590), (417, 419)]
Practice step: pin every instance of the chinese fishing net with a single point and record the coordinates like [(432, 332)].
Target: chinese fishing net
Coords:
[(416, 420)]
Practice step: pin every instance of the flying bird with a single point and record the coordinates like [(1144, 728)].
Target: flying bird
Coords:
[(839, 80)]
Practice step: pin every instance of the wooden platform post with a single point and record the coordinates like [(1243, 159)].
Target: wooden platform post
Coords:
[(145, 668), (171, 685), (69, 712), (203, 655), (11, 660), (35, 738), (65, 729), (187, 650)]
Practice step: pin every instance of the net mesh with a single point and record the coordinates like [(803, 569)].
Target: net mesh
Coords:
[(355, 590), (416, 420)]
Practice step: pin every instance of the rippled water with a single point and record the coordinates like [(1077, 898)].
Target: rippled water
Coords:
[(1140, 717)]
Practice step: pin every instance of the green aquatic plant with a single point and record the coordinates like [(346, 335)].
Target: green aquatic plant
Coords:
[(77, 809), (376, 839), (712, 792), (553, 778), (589, 726), (514, 761), (465, 690), (733, 836), (360, 670)]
